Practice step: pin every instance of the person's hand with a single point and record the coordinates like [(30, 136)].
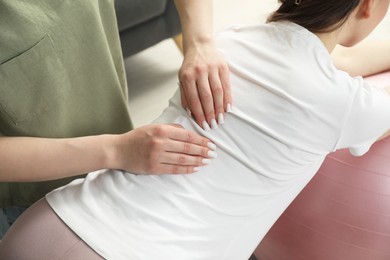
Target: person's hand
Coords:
[(205, 85), (163, 149)]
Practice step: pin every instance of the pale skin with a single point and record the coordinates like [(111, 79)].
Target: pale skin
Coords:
[(364, 59), (204, 74), (350, 52)]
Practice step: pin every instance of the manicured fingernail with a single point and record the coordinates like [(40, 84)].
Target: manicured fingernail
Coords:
[(211, 146), (228, 108), (221, 119), (188, 111), (214, 124), (212, 154), (206, 126), (196, 169), (206, 161)]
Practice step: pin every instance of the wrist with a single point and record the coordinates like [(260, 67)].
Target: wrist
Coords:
[(110, 151), (197, 42), (119, 150)]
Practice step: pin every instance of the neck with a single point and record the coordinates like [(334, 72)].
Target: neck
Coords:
[(341, 35), (329, 39)]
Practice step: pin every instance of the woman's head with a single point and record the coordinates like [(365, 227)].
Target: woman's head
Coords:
[(315, 15), (323, 16)]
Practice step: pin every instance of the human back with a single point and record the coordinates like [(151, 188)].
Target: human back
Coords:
[(274, 139)]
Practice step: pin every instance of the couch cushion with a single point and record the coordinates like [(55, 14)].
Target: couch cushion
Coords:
[(132, 12)]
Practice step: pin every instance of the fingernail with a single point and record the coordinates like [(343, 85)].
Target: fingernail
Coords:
[(221, 119), (212, 154), (228, 108), (206, 161), (211, 146), (188, 112), (196, 169), (214, 124), (206, 126)]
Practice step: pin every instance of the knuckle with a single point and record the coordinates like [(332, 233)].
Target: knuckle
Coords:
[(200, 69), (190, 137), (186, 147), (193, 101), (155, 144), (159, 131), (206, 96), (187, 76), (217, 89), (175, 169), (181, 159), (226, 85), (223, 66)]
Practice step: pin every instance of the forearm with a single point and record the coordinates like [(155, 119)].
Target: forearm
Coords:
[(37, 159), (151, 149), (366, 58), (204, 75), (197, 20)]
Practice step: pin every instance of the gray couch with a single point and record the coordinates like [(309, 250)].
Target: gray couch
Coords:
[(143, 23)]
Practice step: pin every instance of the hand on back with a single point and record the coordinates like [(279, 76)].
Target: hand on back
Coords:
[(163, 149), (205, 85)]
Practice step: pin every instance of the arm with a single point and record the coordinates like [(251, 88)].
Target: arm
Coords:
[(364, 59), (150, 149), (204, 74)]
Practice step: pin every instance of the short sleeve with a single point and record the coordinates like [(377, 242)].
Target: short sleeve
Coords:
[(367, 119)]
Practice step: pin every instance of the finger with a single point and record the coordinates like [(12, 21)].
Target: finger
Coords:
[(177, 169), (180, 159), (206, 98), (224, 75), (184, 101), (182, 95), (177, 126), (178, 133), (189, 149), (218, 96), (193, 101)]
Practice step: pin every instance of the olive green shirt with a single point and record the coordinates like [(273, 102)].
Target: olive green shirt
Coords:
[(61, 75)]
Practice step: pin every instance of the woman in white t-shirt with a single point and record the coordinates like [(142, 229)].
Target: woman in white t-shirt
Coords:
[(291, 108)]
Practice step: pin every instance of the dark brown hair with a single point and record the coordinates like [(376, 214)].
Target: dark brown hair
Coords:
[(315, 15)]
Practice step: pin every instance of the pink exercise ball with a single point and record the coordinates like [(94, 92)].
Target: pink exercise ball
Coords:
[(343, 213)]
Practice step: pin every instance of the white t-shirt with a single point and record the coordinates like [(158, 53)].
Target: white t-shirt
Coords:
[(291, 108)]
